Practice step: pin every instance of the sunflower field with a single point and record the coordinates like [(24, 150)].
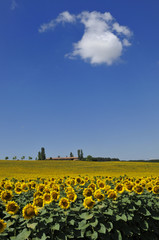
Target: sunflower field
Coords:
[(79, 207)]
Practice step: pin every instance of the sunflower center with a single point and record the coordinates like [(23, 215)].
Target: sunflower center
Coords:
[(6, 196), (12, 207), (89, 203), (30, 211), (65, 203)]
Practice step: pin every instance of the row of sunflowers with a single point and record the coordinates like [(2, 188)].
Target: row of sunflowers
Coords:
[(79, 208)]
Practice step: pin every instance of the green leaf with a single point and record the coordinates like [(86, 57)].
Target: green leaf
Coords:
[(138, 203), (119, 235), (108, 212), (144, 225), (23, 235), (109, 226), (44, 237), (94, 235), (95, 223), (32, 225), (155, 217), (72, 222), (122, 217), (56, 226), (86, 216), (102, 228)]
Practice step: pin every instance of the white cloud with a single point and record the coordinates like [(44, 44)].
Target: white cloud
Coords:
[(103, 40), (62, 18), (13, 5)]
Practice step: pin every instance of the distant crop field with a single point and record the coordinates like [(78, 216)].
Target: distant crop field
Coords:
[(34, 169)]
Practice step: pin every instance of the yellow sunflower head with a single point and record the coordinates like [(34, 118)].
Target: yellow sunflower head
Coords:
[(18, 190), (3, 225), (149, 187), (119, 188), (38, 202), (12, 207), (112, 194), (64, 203), (29, 211), (41, 187), (88, 192), (78, 180), (101, 185), (92, 185), (98, 195), (25, 187), (55, 195), (8, 185), (129, 186), (6, 195), (138, 189), (107, 188), (88, 202), (72, 197), (156, 189), (47, 198)]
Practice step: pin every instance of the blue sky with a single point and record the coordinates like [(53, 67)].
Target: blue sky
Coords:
[(79, 75)]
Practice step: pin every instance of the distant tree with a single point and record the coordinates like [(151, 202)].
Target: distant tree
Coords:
[(23, 157), (58, 156), (39, 155), (89, 158), (43, 155), (36, 158), (15, 157), (71, 154), (80, 154), (30, 158), (6, 158)]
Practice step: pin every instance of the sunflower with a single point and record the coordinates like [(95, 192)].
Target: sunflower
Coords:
[(38, 202), (101, 185), (88, 192), (129, 186), (37, 194), (41, 187), (29, 211), (72, 197), (78, 180), (92, 185), (6, 195), (55, 187), (55, 195), (3, 225), (107, 188), (18, 190), (47, 198), (18, 184), (138, 189), (98, 195), (112, 194), (8, 185), (88, 202), (82, 183), (33, 185), (149, 187), (25, 187), (155, 189), (12, 207), (64, 203), (119, 188)]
